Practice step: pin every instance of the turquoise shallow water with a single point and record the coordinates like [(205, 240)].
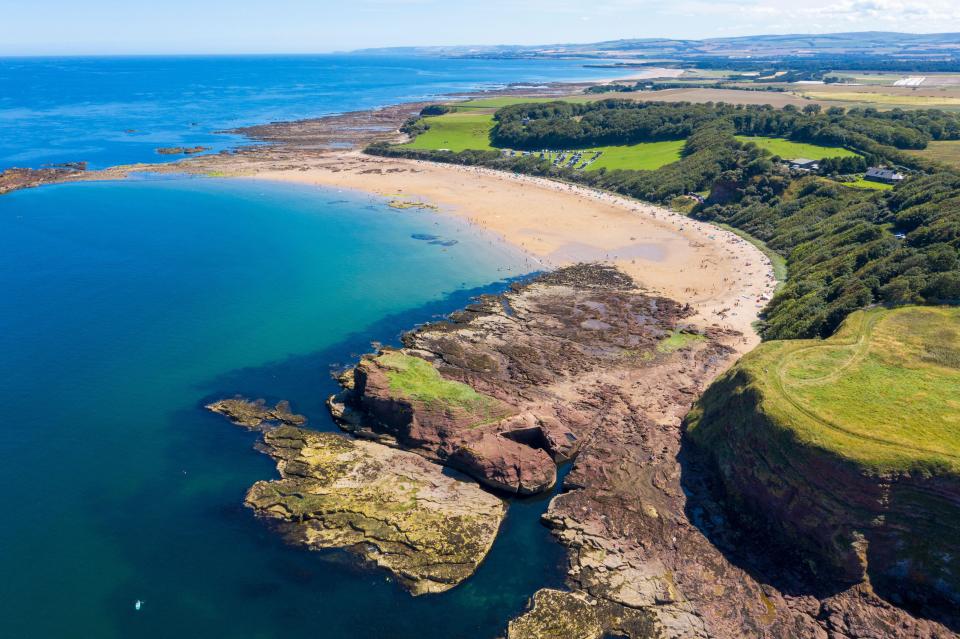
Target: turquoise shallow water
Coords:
[(123, 308)]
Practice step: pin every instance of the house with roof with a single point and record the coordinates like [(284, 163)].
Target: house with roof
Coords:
[(804, 164), (887, 176)]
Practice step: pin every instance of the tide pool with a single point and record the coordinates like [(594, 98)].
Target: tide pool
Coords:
[(124, 307)]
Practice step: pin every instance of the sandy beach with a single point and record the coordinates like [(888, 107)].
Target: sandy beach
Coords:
[(726, 279)]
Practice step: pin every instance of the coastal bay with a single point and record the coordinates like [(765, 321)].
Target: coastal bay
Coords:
[(647, 548)]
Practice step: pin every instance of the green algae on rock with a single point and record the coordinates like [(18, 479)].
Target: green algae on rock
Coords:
[(429, 526), (557, 614)]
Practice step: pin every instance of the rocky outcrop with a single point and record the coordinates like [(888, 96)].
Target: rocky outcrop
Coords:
[(253, 415), (428, 526), (489, 391), (182, 150), (14, 179)]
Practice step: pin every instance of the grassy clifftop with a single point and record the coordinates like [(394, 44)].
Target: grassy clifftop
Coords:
[(884, 391), (849, 448)]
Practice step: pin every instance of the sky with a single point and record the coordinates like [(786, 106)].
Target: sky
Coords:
[(63, 27)]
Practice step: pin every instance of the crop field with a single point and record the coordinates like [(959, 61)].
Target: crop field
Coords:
[(889, 98), (883, 391), (789, 150), (942, 151), (456, 132)]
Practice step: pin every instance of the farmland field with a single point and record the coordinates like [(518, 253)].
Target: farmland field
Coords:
[(456, 132), (789, 150), (887, 98)]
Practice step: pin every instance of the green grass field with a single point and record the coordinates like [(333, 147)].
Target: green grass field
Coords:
[(868, 184), (456, 132), (643, 156), (884, 391), (465, 130), (789, 150)]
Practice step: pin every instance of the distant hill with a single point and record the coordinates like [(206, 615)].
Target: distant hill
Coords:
[(939, 47)]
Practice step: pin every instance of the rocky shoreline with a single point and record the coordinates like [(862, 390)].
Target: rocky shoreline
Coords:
[(391, 508), (579, 364)]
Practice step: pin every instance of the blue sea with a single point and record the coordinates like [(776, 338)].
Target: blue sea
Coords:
[(125, 306), (119, 110)]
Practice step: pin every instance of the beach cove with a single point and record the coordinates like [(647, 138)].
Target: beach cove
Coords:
[(495, 226)]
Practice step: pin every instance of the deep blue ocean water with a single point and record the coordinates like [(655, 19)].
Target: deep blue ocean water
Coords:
[(118, 110), (125, 306)]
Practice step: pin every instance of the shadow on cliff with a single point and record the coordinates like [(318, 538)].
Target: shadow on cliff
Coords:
[(745, 542), (754, 545)]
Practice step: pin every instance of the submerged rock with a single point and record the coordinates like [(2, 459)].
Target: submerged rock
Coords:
[(252, 415), (429, 527)]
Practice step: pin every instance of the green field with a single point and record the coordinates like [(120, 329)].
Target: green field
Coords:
[(456, 132), (868, 184), (884, 391), (643, 156), (465, 130), (789, 150)]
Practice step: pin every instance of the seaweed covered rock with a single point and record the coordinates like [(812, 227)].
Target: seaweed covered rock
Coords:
[(253, 415), (556, 614), (429, 527)]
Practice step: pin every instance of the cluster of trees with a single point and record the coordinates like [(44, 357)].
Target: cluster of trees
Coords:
[(566, 125), (846, 248)]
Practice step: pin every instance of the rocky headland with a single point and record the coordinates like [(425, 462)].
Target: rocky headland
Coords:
[(581, 363), (429, 527)]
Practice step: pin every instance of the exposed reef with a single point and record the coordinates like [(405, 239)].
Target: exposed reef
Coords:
[(14, 179), (182, 150), (580, 363), (428, 526), (254, 414)]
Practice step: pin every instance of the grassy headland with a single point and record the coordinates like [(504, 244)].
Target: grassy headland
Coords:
[(883, 392)]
